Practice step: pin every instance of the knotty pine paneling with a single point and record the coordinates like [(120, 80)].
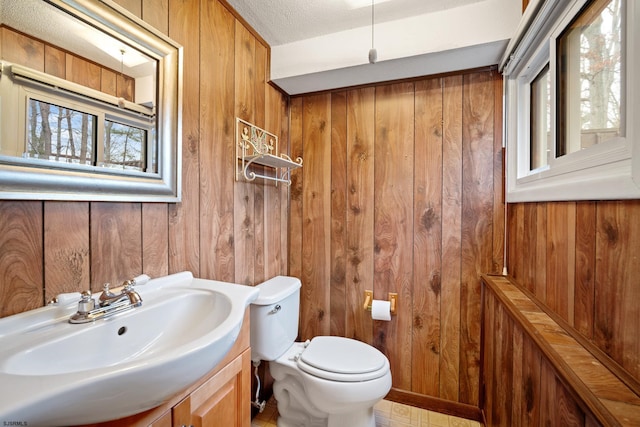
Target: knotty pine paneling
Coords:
[(421, 192), (580, 260), (63, 246)]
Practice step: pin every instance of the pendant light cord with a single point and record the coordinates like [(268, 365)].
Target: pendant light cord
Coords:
[(372, 21)]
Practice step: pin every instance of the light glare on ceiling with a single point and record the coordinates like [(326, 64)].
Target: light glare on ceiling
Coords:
[(358, 4)]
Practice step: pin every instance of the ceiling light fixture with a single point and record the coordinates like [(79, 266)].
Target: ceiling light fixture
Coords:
[(373, 53)]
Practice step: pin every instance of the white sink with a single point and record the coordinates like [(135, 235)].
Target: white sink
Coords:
[(53, 372)]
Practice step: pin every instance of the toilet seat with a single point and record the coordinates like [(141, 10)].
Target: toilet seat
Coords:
[(342, 359)]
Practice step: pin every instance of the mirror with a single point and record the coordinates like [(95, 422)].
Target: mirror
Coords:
[(90, 104)]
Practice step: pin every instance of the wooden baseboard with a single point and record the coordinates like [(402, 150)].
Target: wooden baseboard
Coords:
[(435, 404)]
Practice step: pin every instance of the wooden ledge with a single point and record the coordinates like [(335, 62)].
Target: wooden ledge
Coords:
[(604, 394)]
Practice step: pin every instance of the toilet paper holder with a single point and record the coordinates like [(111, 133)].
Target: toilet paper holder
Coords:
[(368, 299)]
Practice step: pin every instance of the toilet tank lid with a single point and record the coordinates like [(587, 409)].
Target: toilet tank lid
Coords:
[(276, 289)]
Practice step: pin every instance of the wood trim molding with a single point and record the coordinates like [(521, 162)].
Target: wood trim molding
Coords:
[(435, 404)]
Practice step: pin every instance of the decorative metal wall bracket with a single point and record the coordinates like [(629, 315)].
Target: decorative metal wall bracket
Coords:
[(256, 146)]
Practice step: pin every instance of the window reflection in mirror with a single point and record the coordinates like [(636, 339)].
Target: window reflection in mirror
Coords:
[(589, 78), (59, 134), (92, 92)]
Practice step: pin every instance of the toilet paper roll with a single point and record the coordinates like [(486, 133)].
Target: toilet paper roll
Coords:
[(380, 310)]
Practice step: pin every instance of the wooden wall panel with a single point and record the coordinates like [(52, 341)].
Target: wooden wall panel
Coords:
[(66, 248), (217, 144), (295, 202), (184, 249), (581, 263), (360, 209), (616, 324), (393, 222), (155, 239), (522, 388), (316, 207), (427, 245), (21, 261), (115, 241), (338, 285), (421, 209), (451, 239), (477, 219), (244, 206)]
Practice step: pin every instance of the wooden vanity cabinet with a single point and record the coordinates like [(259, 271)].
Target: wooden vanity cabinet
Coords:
[(223, 400), (220, 398)]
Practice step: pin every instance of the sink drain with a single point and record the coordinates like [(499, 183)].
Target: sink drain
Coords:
[(122, 330)]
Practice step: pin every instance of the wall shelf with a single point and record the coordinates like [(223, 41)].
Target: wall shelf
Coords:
[(258, 147)]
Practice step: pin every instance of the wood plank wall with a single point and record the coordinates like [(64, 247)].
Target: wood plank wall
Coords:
[(18, 48), (581, 260), (521, 386), (401, 191), (221, 230)]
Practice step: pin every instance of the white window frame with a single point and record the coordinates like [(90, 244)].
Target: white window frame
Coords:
[(610, 170)]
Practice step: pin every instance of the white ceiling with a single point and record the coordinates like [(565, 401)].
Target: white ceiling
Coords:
[(285, 21), (324, 44)]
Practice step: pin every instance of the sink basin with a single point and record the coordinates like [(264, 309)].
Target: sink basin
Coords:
[(57, 373)]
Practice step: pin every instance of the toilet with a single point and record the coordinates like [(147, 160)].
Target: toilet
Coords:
[(326, 381)]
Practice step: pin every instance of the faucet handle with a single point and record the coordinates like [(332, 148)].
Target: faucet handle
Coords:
[(86, 303)]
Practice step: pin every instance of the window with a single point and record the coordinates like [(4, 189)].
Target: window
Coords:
[(75, 128), (571, 116)]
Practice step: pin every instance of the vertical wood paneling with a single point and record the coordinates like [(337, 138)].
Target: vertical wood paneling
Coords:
[(21, 49), (217, 148), (155, 239), (184, 235), (154, 12), (413, 152), (339, 227), (116, 243), (617, 329), (55, 63), (244, 203), (451, 238), (585, 261), (295, 191), (531, 371), (477, 220), (66, 247), (274, 250), (21, 261), (82, 72), (393, 222), (583, 269), (316, 210), (262, 218), (561, 258), (427, 243), (360, 210)]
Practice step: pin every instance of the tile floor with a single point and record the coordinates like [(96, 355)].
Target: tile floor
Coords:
[(388, 414)]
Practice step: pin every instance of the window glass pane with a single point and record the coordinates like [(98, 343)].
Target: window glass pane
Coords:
[(540, 119), (589, 77), (58, 133), (124, 146)]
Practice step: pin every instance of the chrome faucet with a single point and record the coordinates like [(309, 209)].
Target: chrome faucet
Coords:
[(108, 303)]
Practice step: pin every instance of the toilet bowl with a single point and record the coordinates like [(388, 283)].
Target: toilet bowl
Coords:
[(327, 381)]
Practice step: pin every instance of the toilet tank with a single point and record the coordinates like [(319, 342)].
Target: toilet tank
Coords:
[(274, 317)]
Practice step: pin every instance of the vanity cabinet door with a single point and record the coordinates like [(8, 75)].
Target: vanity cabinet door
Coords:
[(225, 399), (181, 413)]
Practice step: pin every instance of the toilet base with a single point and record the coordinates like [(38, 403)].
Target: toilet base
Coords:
[(295, 410)]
